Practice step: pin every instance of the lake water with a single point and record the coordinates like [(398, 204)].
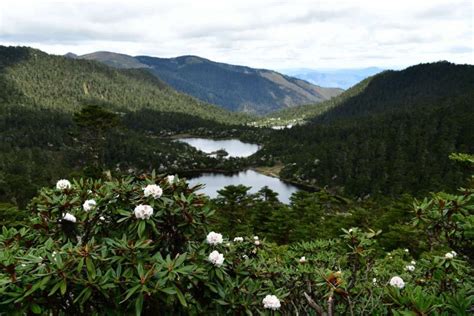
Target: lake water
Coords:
[(234, 147), (216, 181)]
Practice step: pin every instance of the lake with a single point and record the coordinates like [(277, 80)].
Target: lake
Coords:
[(234, 147), (216, 181)]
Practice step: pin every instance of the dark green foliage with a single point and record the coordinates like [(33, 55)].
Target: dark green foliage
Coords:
[(386, 134)]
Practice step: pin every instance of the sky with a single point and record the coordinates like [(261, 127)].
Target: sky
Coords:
[(271, 34)]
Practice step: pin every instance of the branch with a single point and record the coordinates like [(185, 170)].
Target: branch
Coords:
[(315, 306)]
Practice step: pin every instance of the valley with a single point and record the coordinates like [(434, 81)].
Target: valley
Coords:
[(123, 174)]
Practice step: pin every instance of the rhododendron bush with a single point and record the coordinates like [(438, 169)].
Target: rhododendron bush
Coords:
[(147, 246)]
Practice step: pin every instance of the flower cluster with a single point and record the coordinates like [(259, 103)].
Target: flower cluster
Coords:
[(216, 258), (410, 268), (63, 184), (170, 179), (143, 211), (69, 217), (271, 302), (302, 259), (397, 281), (450, 255), (89, 205), (214, 238), (153, 190)]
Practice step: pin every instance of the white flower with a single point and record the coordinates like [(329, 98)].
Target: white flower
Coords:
[(397, 281), (102, 218), (449, 255), (69, 217), (302, 259), (454, 253), (255, 237), (89, 205), (410, 268), (143, 211), (170, 179), (374, 280), (271, 302), (350, 230), (238, 239), (413, 262), (216, 258), (406, 250), (214, 238), (63, 184), (257, 242), (153, 190)]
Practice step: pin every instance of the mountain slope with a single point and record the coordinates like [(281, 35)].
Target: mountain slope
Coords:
[(390, 134), (236, 88), (387, 92), (33, 78), (415, 86)]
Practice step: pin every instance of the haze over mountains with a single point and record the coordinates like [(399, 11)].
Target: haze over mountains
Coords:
[(340, 78), (236, 88)]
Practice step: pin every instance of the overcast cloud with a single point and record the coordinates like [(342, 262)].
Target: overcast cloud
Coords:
[(273, 34)]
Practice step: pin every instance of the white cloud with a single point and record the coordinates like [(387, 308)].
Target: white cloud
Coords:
[(266, 33)]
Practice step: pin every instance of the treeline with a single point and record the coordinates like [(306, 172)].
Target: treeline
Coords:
[(313, 215)]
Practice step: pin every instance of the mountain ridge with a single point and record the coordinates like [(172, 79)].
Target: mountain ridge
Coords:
[(236, 88)]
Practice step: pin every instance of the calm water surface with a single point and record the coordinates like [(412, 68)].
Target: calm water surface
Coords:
[(216, 181), (234, 147)]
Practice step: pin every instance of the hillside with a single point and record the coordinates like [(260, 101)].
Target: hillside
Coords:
[(33, 78), (236, 88), (390, 134), (385, 92), (415, 86)]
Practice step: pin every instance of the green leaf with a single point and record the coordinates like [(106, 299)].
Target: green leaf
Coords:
[(36, 309), (141, 228), (181, 298), (63, 286), (90, 268), (130, 292), (139, 305)]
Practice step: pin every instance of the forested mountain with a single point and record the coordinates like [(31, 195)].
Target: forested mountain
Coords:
[(390, 134), (33, 78), (415, 86), (388, 91), (236, 88)]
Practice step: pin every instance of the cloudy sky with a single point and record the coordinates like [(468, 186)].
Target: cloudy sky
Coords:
[(273, 34)]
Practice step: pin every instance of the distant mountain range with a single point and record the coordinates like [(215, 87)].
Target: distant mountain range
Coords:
[(340, 78), (236, 88)]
